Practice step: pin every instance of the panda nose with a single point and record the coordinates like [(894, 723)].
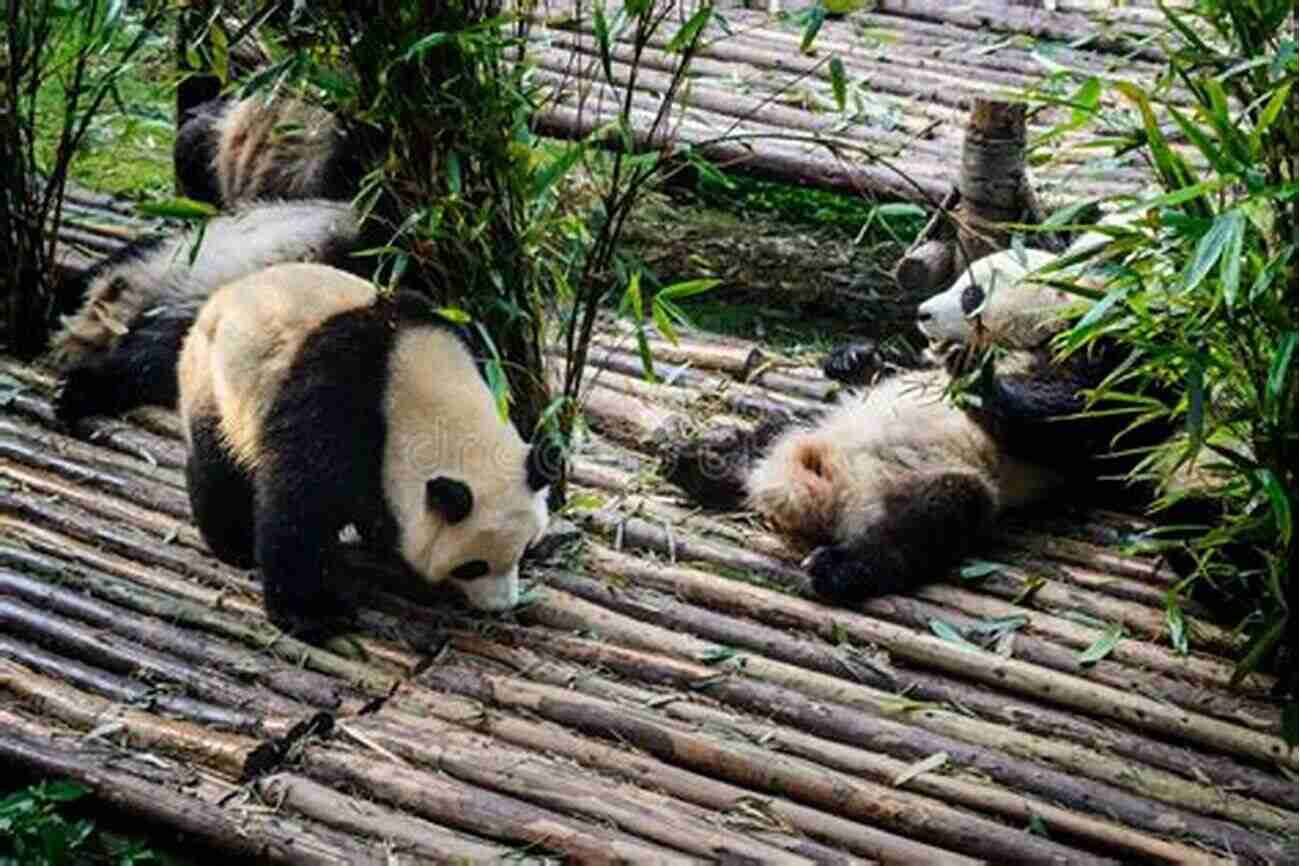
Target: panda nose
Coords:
[(923, 316)]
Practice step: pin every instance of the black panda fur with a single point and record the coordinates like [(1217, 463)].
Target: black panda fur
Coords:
[(310, 402), (231, 150), (119, 349)]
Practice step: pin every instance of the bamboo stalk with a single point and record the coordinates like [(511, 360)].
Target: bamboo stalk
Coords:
[(131, 466), (291, 681), (636, 767), (568, 613), (482, 761), (246, 836), (1019, 677), (902, 741), (417, 839), (221, 751), (128, 691), (924, 686), (454, 804), (108, 507), (675, 744), (124, 658), (113, 481), (979, 796), (260, 634)]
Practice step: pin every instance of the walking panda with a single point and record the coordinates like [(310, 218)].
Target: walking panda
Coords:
[(229, 151), (311, 402), (897, 484), (119, 349)]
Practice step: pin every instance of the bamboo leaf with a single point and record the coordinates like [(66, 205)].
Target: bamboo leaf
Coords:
[(177, 208), (1280, 502), (662, 321), (1258, 650), (839, 84), (978, 568), (1208, 250), (1177, 624), (925, 765), (1230, 262), (557, 168), (1282, 369), (690, 31), (950, 634), (455, 315), (601, 26), (687, 289), (813, 25), (1103, 646)]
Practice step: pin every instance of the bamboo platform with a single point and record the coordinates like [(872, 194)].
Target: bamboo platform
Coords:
[(666, 695), (756, 103)]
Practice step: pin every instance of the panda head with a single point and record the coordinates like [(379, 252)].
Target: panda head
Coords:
[(996, 301), (477, 524)]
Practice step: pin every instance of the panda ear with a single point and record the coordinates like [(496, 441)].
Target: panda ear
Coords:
[(544, 461), (449, 497)]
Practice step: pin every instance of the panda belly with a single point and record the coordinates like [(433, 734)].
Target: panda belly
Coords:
[(891, 490)]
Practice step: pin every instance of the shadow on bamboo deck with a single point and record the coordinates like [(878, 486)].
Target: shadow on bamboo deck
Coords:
[(666, 696)]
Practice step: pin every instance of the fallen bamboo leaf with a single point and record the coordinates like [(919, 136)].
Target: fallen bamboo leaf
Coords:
[(950, 634), (1032, 585), (1102, 646), (925, 765)]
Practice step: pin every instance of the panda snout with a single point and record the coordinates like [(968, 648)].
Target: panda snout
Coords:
[(923, 315)]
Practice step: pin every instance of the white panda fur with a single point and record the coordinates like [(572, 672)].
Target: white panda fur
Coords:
[(152, 286), (310, 402), (229, 151)]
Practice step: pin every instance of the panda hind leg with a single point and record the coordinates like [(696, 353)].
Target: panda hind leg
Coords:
[(140, 370), (929, 525), (221, 496)]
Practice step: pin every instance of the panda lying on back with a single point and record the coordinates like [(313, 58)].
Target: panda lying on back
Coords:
[(895, 486), (311, 402)]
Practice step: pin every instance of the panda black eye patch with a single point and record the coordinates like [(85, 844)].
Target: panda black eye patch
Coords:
[(971, 298), (471, 570), (449, 497)]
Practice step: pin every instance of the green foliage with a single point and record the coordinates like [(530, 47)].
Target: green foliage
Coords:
[(35, 831), (1201, 286), (63, 61)]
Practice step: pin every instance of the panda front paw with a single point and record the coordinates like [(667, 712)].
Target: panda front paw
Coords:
[(81, 394), (311, 622), (852, 363)]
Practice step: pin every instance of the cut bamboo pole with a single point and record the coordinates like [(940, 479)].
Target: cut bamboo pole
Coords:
[(560, 611), (633, 765), (761, 771), (125, 690), (199, 648), (902, 741), (1019, 677), (455, 804), (127, 659), (482, 761), (246, 836), (415, 838), (978, 796), (924, 686), (221, 751)]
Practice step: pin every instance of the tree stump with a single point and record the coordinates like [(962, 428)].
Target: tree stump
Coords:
[(992, 189)]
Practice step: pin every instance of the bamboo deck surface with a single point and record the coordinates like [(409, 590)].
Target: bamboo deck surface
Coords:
[(666, 695), (912, 68)]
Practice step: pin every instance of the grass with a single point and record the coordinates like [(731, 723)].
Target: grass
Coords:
[(128, 148)]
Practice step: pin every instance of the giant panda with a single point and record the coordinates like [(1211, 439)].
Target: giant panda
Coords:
[(311, 402), (119, 349), (897, 484), (230, 151)]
